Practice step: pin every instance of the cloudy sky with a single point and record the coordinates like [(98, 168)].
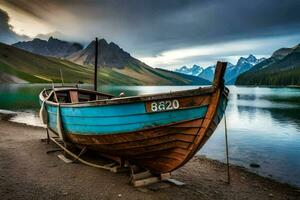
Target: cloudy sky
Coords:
[(168, 33)]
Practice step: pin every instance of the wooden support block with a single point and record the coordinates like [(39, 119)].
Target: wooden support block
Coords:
[(165, 176), (144, 182), (141, 175), (63, 158)]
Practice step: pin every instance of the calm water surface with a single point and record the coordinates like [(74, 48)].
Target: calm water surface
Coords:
[(263, 124)]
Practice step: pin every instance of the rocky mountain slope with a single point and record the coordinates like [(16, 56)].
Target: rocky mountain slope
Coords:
[(243, 65), (23, 66), (18, 66), (109, 55)]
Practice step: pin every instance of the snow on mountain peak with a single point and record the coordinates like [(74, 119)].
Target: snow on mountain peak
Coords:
[(232, 71), (195, 70)]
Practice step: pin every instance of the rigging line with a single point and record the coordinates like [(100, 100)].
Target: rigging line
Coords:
[(227, 152)]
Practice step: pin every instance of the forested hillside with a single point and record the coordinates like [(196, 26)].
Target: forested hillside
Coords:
[(281, 69)]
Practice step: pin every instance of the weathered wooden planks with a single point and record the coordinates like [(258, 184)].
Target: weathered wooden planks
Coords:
[(159, 147)]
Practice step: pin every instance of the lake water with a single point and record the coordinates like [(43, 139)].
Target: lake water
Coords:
[(263, 124)]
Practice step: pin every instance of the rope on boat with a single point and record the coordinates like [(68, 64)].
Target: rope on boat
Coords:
[(78, 158), (43, 112)]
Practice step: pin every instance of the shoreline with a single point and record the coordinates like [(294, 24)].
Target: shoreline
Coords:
[(10, 116), (268, 86), (24, 162)]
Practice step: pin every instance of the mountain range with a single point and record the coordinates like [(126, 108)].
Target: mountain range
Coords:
[(243, 65), (232, 71), (282, 69), (109, 55), (53, 47), (42, 60)]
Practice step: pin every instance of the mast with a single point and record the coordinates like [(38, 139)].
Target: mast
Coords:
[(96, 63), (61, 77)]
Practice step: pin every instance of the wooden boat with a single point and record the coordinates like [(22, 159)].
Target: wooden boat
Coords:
[(159, 132)]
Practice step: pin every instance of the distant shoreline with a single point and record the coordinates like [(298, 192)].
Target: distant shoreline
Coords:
[(268, 86)]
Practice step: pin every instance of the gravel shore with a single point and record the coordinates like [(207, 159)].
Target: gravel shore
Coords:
[(28, 172)]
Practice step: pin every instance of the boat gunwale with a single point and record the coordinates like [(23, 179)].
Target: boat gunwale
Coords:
[(128, 115), (126, 100)]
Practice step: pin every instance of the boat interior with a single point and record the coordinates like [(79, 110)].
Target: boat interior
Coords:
[(75, 95)]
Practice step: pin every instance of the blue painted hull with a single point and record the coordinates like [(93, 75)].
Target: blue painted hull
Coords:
[(116, 119)]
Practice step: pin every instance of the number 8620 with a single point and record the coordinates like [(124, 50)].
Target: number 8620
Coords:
[(164, 105)]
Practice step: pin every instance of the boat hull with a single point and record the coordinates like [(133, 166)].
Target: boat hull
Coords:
[(159, 132), (163, 142)]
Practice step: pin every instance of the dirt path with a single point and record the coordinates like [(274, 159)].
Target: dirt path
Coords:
[(27, 172)]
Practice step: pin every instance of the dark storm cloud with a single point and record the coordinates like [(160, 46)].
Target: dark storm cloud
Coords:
[(158, 25), (6, 33), (149, 27)]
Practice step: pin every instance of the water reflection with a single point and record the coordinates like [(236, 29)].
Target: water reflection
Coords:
[(264, 128)]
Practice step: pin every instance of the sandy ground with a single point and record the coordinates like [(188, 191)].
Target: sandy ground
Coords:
[(28, 172)]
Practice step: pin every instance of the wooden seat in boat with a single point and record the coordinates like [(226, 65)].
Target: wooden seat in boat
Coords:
[(74, 96)]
